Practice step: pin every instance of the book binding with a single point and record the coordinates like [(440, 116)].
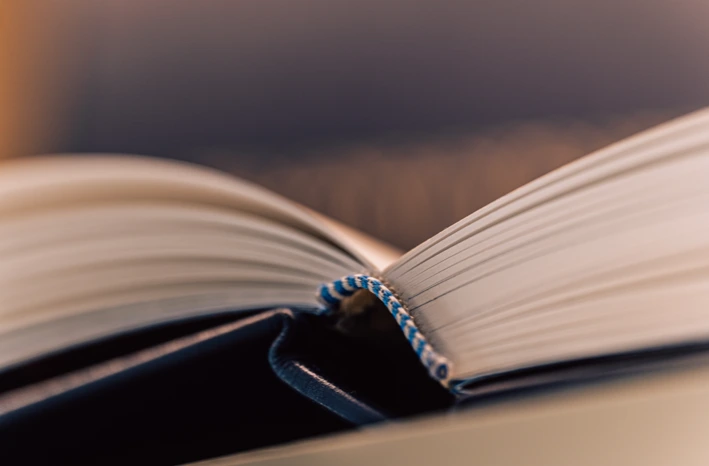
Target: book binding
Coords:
[(331, 294)]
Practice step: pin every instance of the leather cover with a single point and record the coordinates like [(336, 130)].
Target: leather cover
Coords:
[(196, 393)]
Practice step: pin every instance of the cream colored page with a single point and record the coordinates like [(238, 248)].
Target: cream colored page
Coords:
[(79, 273), (514, 274), (377, 253), (52, 182), (592, 168), (91, 243)]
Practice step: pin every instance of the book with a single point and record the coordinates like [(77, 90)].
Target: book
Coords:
[(115, 266)]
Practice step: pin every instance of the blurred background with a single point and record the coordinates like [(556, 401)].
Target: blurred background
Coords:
[(422, 110)]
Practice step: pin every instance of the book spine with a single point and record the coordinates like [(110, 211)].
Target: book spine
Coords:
[(331, 294)]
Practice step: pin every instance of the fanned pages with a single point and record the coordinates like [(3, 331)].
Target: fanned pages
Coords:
[(607, 255), (96, 245)]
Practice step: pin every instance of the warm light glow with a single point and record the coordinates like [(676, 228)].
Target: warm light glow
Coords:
[(34, 64)]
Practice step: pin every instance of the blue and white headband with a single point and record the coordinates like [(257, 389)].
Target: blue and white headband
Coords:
[(331, 294)]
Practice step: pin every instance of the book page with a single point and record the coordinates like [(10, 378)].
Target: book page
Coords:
[(605, 255), (49, 182), (97, 245), (377, 253)]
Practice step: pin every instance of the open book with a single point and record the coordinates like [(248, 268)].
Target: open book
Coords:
[(607, 255), (598, 267)]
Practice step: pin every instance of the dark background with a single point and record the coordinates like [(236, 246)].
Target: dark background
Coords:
[(396, 116)]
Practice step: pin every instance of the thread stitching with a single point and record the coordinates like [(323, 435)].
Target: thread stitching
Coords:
[(331, 294)]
